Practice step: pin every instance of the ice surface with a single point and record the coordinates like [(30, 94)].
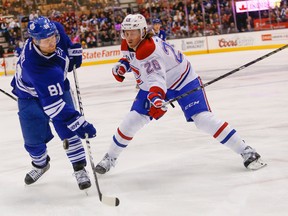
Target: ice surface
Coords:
[(170, 168)]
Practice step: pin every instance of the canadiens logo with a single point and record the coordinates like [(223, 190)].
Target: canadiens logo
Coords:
[(127, 57), (132, 55)]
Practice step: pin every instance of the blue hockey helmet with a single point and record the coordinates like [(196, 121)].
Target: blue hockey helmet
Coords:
[(41, 28), (156, 21)]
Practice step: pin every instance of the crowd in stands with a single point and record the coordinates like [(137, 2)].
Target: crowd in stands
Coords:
[(96, 23)]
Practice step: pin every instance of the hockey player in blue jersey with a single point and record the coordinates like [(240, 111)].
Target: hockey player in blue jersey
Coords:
[(43, 92), (157, 29)]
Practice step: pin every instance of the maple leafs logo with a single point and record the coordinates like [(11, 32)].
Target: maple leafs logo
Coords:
[(32, 26)]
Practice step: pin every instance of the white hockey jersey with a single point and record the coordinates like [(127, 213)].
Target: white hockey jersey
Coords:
[(157, 64)]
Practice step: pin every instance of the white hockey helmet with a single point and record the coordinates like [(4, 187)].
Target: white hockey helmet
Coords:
[(134, 22)]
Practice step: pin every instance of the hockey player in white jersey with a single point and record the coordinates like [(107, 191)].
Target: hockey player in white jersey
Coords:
[(43, 92), (164, 73)]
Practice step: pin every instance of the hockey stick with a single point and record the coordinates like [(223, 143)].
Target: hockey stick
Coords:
[(9, 95), (224, 75), (112, 201)]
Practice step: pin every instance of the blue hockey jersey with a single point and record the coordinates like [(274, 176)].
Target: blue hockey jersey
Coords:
[(44, 77), (161, 34)]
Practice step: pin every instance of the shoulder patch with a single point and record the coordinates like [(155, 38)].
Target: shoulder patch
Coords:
[(124, 45), (145, 49)]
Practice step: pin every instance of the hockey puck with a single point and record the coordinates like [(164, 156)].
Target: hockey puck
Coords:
[(65, 144)]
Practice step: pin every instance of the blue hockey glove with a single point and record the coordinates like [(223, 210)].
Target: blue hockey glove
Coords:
[(75, 56), (81, 127)]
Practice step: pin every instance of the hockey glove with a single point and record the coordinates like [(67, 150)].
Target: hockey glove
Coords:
[(118, 71), (75, 56), (81, 127), (157, 110)]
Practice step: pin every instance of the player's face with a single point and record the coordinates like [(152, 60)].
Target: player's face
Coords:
[(156, 27), (48, 45), (133, 37)]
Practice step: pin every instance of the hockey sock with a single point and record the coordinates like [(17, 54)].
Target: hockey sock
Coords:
[(131, 124), (38, 154), (75, 152), (40, 160), (207, 122)]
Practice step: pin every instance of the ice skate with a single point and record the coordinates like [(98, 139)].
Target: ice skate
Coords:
[(35, 173), (105, 164), (252, 160), (83, 179)]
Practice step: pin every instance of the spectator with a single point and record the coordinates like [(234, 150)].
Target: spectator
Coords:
[(232, 28), (176, 29), (91, 40), (129, 9), (284, 13), (178, 17), (3, 24), (105, 39), (113, 34), (2, 51), (197, 33), (84, 28), (33, 15), (75, 38), (14, 24), (18, 48), (184, 30), (94, 17), (83, 41), (10, 49)]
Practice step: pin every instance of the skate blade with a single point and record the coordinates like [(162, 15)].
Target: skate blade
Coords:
[(257, 164)]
